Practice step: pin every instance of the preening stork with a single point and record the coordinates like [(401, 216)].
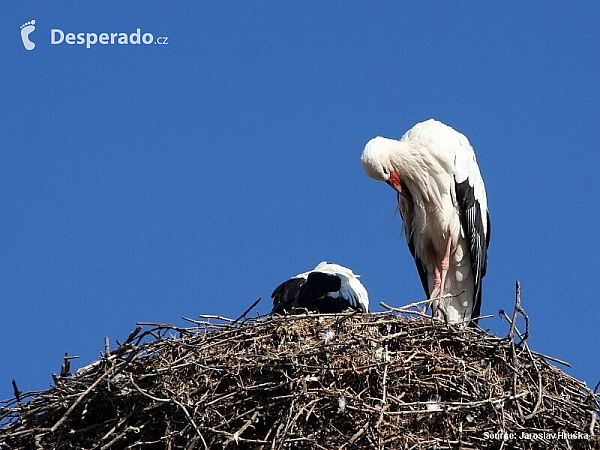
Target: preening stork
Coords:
[(328, 288), (443, 204)]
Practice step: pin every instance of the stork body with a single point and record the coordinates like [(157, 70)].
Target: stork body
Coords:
[(443, 203), (328, 288)]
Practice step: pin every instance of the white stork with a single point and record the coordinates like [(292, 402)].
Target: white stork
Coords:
[(443, 204), (328, 288)]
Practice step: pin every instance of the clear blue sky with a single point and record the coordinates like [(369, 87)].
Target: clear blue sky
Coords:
[(151, 182)]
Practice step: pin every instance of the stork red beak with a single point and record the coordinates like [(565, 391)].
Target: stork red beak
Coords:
[(397, 184), (394, 182)]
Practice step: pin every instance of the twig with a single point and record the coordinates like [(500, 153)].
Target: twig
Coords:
[(192, 422), (539, 394), (487, 316), (65, 369), (551, 358), (410, 305), (356, 435), (406, 308), (384, 405), (16, 391), (150, 396), (106, 347), (243, 316), (405, 311), (518, 310), (344, 317), (133, 334), (78, 401)]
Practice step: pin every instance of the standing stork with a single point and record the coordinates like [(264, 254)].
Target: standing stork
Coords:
[(443, 205)]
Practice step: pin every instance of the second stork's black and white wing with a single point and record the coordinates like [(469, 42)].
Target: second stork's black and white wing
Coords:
[(328, 288)]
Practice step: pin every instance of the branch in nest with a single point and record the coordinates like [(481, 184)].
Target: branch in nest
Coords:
[(65, 369), (518, 311), (243, 316)]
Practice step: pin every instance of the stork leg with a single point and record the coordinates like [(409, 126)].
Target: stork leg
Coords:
[(445, 264), (437, 282), (440, 271)]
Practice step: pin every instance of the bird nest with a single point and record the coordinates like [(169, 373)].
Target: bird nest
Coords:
[(350, 380)]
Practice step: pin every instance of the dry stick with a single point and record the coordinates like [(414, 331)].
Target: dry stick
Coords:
[(243, 316), (187, 414), (106, 347), (113, 429), (511, 334), (518, 310), (287, 425), (78, 401), (65, 369), (27, 431), (540, 395), (119, 436), (539, 375), (343, 318), (16, 391), (239, 432), (421, 302), (161, 326), (410, 305), (150, 396), (133, 334), (356, 435), (275, 435), (384, 405), (521, 336), (205, 324), (405, 311), (155, 324), (241, 439), (215, 316), (487, 316), (448, 406)]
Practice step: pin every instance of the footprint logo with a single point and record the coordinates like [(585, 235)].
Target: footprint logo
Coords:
[(26, 30)]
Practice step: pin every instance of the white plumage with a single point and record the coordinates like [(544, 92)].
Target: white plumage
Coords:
[(328, 288), (443, 204)]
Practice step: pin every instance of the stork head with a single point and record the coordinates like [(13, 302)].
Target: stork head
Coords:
[(376, 160)]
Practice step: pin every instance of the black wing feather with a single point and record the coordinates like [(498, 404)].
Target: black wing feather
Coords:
[(287, 294), (309, 294), (472, 223), (420, 268)]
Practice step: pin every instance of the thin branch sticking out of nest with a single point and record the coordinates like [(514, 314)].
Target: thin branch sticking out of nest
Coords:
[(309, 381)]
